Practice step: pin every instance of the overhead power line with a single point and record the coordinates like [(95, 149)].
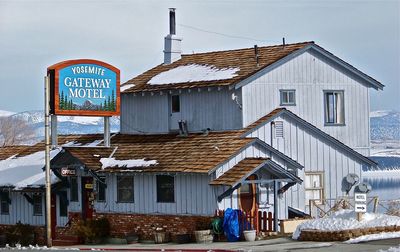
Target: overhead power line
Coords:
[(222, 34)]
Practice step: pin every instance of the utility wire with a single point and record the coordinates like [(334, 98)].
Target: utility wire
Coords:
[(221, 34)]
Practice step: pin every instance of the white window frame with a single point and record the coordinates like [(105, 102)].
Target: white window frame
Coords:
[(313, 188), (286, 93), (338, 109)]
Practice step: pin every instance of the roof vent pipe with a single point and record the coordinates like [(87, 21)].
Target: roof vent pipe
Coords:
[(256, 55), (172, 43), (283, 42), (172, 26)]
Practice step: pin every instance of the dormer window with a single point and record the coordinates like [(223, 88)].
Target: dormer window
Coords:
[(288, 97)]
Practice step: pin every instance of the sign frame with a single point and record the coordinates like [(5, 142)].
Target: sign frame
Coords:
[(54, 73)]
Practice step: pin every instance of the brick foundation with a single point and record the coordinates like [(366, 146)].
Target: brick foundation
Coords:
[(145, 224), (343, 235)]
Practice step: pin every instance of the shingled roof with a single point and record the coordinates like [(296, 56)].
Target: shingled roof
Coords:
[(196, 153), (243, 59)]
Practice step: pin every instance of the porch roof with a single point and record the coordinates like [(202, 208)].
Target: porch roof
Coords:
[(248, 166)]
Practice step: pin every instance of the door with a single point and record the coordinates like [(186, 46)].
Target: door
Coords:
[(175, 112), (248, 201), (53, 203), (87, 197)]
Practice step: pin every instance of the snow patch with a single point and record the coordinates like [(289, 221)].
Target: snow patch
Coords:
[(374, 237), (346, 219), (4, 113), (126, 87), (391, 249), (193, 73), (379, 113), (129, 163)]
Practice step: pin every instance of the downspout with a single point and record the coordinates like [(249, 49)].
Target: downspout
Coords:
[(276, 206)]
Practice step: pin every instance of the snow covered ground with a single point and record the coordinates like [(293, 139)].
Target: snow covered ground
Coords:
[(392, 249), (346, 219)]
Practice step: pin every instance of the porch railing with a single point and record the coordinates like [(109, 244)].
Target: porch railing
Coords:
[(261, 221)]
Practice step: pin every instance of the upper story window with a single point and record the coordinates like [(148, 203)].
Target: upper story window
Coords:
[(334, 107), (165, 189), (125, 193), (73, 189), (175, 104), (101, 190), (288, 97)]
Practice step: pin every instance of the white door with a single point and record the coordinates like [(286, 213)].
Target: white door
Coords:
[(175, 112)]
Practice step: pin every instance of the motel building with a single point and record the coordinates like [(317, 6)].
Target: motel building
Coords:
[(269, 130)]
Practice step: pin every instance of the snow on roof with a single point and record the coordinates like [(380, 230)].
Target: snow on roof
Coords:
[(193, 73), (126, 87), (129, 163), (25, 171), (346, 219)]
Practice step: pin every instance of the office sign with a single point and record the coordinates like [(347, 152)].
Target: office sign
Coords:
[(84, 88), (65, 171)]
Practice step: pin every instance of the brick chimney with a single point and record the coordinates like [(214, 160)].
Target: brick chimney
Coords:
[(172, 43)]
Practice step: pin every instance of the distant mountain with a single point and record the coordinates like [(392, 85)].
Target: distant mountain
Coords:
[(65, 124), (385, 125)]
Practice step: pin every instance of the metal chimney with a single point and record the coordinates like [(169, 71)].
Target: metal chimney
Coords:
[(172, 43), (172, 25)]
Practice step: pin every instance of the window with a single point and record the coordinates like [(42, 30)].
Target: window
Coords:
[(5, 202), (63, 203), (165, 188), (125, 189), (175, 104), (101, 189), (334, 107), (314, 186), (288, 97), (74, 189), (37, 204)]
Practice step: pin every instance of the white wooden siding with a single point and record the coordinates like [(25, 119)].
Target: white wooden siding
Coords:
[(202, 108), (193, 195), (315, 154), (310, 75), (21, 210)]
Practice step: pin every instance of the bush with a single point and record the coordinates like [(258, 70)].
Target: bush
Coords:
[(394, 208), (93, 230), (20, 233)]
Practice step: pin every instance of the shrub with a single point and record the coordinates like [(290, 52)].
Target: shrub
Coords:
[(93, 229), (20, 233)]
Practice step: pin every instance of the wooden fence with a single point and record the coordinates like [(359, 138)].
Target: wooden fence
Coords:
[(262, 221)]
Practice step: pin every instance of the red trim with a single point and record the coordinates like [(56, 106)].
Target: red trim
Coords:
[(57, 67)]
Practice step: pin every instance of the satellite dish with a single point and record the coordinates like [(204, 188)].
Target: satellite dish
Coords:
[(349, 181), (363, 188), (352, 178)]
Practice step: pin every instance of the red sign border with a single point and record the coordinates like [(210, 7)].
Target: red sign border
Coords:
[(57, 67)]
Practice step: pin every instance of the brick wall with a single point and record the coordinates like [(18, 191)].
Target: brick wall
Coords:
[(145, 225)]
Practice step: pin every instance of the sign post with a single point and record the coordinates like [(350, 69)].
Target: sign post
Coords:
[(47, 159)]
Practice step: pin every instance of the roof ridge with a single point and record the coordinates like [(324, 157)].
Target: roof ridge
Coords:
[(248, 48)]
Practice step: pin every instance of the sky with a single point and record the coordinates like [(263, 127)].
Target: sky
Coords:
[(129, 34)]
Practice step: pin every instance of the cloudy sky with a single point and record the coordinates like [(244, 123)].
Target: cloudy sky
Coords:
[(128, 34)]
